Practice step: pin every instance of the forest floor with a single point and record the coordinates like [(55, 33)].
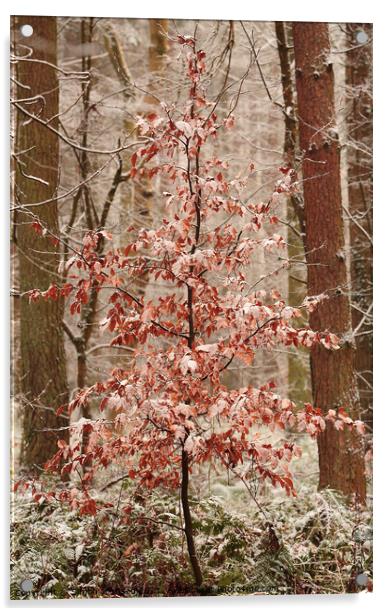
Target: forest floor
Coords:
[(313, 543)]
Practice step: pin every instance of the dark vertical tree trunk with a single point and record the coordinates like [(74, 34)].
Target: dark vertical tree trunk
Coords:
[(188, 527), (298, 370), (43, 382), (287, 94), (88, 310), (341, 456), (360, 196), (188, 520)]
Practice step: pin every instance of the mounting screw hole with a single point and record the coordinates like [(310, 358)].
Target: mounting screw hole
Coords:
[(27, 585), (27, 30), (362, 579), (361, 37)]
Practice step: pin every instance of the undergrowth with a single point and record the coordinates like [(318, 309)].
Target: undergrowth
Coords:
[(310, 544)]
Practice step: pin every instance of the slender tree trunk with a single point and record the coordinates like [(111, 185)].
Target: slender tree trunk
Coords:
[(93, 220), (298, 372), (341, 456), (117, 57), (360, 196), (43, 380), (144, 190), (88, 310), (86, 323), (137, 195), (188, 519), (196, 193)]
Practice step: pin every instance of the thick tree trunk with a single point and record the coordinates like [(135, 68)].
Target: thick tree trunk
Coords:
[(341, 456), (43, 381), (360, 195)]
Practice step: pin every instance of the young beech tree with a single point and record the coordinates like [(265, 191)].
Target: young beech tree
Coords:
[(173, 411)]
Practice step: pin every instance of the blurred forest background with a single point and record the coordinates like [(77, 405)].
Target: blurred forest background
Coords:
[(78, 87)]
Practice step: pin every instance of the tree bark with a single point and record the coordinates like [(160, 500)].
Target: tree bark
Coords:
[(298, 370), (360, 196), (341, 456), (88, 310), (43, 381), (144, 190), (188, 519)]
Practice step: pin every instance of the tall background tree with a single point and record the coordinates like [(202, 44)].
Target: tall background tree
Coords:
[(360, 207), (299, 386), (43, 381), (341, 456)]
